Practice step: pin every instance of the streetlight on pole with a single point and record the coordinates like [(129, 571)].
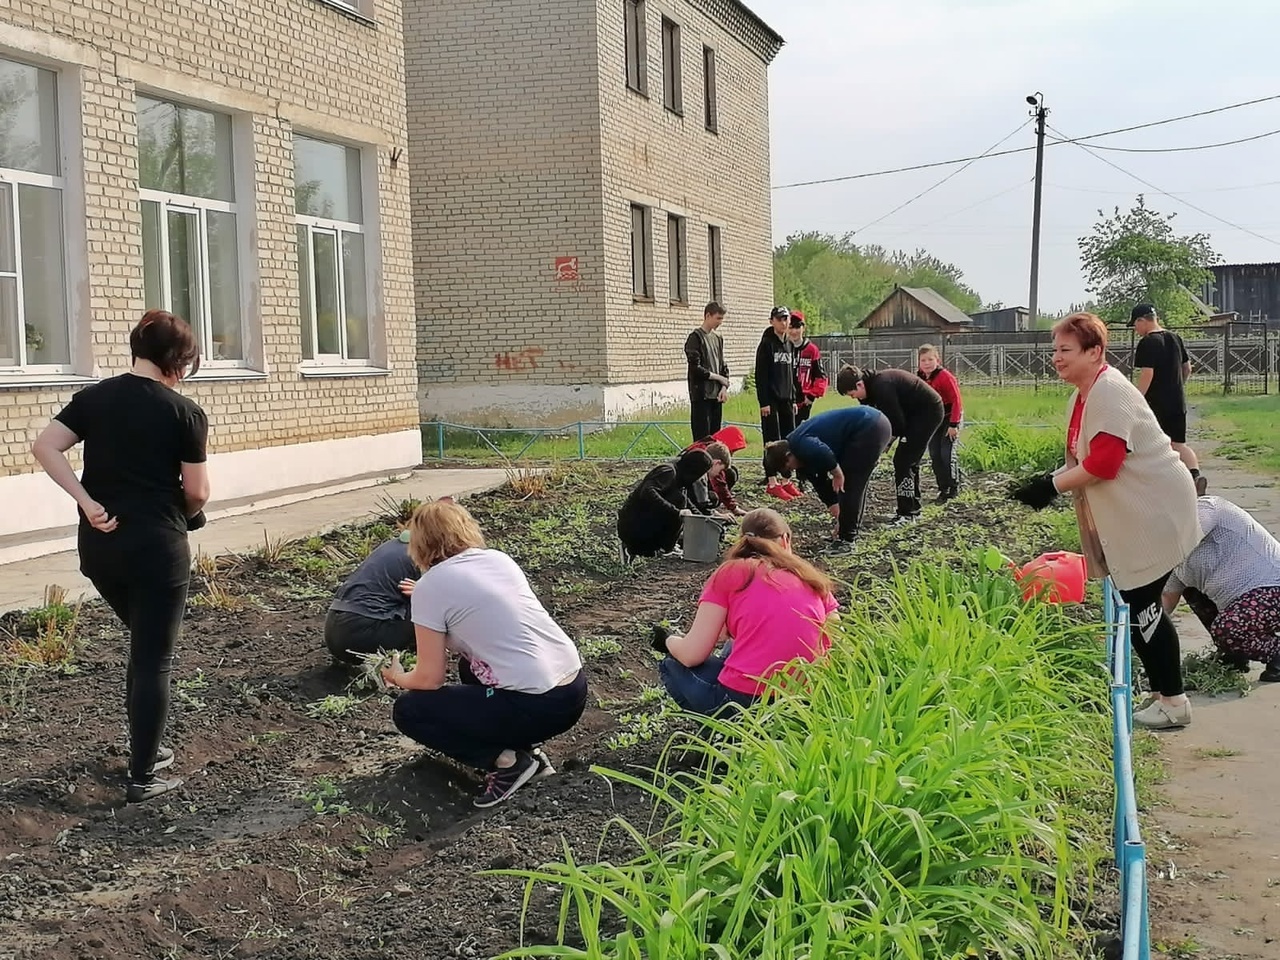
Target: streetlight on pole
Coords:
[(1040, 112)]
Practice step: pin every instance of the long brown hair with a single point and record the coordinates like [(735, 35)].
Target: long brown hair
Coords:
[(760, 545)]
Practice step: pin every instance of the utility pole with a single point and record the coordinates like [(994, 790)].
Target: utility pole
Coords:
[(1040, 112)]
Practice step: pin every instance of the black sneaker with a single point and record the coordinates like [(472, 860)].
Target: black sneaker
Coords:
[(1202, 484), (1272, 673), (838, 547), (504, 781), (139, 790)]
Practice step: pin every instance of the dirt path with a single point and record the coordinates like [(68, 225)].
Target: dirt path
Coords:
[(1214, 843)]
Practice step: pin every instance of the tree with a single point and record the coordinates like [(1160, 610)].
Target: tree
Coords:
[(837, 283), (1137, 256)]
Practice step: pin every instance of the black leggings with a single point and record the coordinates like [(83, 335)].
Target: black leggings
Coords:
[(143, 576), (942, 453), (778, 424), (1154, 638), (857, 461), (473, 724), (906, 459)]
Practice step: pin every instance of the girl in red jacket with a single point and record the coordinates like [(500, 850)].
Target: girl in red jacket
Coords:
[(942, 446)]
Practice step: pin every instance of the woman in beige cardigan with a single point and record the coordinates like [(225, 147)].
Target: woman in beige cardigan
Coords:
[(1135, 503)]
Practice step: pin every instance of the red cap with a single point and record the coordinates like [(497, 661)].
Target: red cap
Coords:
[(731, 437)]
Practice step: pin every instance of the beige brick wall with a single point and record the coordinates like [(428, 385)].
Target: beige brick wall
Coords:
[(673, 163), (283, 64), (527, 145), (505, 138)]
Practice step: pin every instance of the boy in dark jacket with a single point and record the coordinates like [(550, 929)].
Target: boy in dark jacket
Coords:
[(914, 411), (942, 445), (708, 373), (810, 376), (836, 451), (776, 386), (722, 445), (650, 521)]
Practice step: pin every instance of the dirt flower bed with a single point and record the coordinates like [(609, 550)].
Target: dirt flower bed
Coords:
[(308, 827)]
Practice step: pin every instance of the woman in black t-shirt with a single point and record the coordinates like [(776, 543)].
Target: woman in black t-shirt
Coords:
[(143, 486)]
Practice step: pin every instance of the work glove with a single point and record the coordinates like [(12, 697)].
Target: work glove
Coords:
[(1037, 493), (658, 638), (196, 522)]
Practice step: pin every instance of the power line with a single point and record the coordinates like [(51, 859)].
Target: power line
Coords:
[(976, 203), (953, 173), (1005, 153), (1179, 193), (1202, 146), (1165, 193)]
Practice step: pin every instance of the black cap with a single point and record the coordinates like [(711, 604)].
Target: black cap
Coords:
[(782, 312), (1140, 311)]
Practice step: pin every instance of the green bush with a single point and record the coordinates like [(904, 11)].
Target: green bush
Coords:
[(937, 789)]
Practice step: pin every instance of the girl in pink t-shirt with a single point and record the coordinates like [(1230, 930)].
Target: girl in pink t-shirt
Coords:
[(770, 605)]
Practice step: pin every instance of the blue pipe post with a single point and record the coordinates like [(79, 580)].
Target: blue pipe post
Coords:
[(582, 443), (440, 439)]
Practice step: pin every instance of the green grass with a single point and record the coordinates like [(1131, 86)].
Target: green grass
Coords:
[(1245, 428), (1009, 430), (941, 789)]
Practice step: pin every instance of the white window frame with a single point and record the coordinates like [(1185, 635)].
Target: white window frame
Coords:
[(13, 179), (201, 207), (337, 228)]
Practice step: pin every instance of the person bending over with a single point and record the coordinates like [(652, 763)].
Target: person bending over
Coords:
[(371, 609), (522, 678), (836, 451), (915, 412), (650, 521), (942, 445), (772, 605), (1231, 582), (719, 493)]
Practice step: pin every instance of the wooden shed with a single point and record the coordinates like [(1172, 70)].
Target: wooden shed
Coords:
[(916, 311)]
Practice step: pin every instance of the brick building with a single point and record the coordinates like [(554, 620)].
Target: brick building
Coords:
[(588, 174), (240, 164)]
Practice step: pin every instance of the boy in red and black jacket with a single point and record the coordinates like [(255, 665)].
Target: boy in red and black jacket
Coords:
[(811, 376), (718, 490), (942, 445)]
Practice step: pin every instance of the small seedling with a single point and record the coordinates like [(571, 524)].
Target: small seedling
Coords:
[(323, 796), (272, 551), (333, 707), (599, 648)]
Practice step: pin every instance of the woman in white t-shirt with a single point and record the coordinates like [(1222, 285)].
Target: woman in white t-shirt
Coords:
[(522, 678)]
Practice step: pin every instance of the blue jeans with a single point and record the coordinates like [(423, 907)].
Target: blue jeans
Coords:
[(698, 689)]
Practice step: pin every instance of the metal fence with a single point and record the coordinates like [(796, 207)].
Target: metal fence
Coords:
[(1130, 851), (1242, 357)]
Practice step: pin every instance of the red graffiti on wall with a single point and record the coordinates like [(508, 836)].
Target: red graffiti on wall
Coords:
[(526, 359)]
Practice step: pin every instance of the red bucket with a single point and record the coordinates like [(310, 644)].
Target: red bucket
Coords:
[(1055, 577)]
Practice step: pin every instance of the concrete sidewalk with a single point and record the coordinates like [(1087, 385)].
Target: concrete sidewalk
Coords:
[(22, 584)]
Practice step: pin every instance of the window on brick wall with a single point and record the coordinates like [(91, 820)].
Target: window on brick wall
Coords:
[(677, 259), (34, 332), (636, 48), (641, 253), (709, 108), (332, 259), (715, 264), (672, 93), (190, 233)]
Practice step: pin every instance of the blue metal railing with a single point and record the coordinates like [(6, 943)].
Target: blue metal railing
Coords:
[(1130, 851)]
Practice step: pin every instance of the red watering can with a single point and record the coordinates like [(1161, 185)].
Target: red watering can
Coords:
[(1054, 577)]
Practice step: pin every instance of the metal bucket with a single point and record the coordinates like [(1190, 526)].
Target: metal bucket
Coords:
[(702, 537)]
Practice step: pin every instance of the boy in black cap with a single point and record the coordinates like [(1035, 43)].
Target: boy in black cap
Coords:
[(1163, 367), (915, 411), (776, 388)]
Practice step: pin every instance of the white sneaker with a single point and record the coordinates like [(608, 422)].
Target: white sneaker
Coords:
[(904, 520), (1162, 716), (545, 769)]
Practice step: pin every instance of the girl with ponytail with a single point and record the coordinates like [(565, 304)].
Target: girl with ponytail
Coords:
[(771, 607)]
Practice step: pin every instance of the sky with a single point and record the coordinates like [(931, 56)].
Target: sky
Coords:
[(869, 85)]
